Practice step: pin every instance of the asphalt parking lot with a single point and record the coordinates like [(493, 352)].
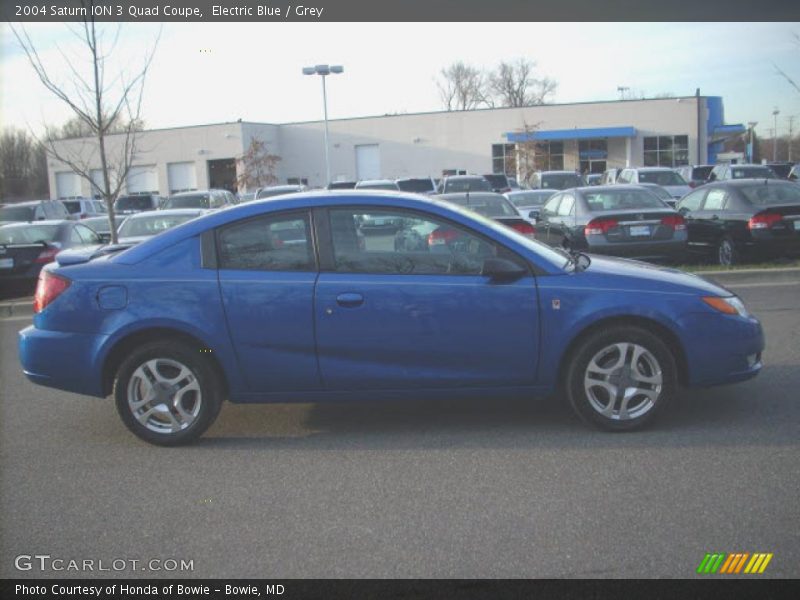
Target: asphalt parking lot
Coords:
[(512, 488)]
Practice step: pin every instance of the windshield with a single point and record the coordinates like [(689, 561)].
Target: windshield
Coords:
[(28, 235), (133, 203), (497, 181), (702, 172), (415, 185), (189, 201), (752, 173), (661, 178), (16, 213), (488, 206), (73, 206), (475, 184), (342, 185), (98, 224), (561, 181), (151, 224), (621, 200), (532, 198), (769, 195), (781, 171)]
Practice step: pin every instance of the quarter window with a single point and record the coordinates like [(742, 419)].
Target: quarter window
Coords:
[(405, 243), (715, 200), (273, 243), (692, 201), (566, 206)]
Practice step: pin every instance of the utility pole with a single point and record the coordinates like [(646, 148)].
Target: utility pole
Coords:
[(775, 114), (791, 133)]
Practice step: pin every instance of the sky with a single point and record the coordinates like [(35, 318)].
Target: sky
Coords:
[(216, 72)]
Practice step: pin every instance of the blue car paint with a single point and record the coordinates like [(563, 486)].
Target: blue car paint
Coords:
[(412, 334)]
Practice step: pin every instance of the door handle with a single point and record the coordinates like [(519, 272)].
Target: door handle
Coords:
[(350, 300)]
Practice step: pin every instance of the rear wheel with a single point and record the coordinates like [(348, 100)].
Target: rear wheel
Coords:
[(167, 393), (727, 256), (618, 379)]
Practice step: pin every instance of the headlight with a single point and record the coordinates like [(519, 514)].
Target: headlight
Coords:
[(730, 305)]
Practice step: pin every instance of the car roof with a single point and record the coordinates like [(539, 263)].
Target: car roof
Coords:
[(374, 181), (478, 195), (564, 172), (167, 213), (42, 222), (193, 193), (27, 203), (465, 177), (749, 181), (660, 169)]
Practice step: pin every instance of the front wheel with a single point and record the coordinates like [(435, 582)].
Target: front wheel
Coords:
[(167, 393), (618, 379)]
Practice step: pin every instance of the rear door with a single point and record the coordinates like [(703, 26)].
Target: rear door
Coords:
[(419, 315), (267, 271), (689, 207), (709, 221)]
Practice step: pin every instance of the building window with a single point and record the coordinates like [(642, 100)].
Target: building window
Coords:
[(550, 156), (593, 154), (666, 151), (504, 159)]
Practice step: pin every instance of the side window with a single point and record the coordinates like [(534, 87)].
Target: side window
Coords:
[(715, 199), (567, 206), (89, 236), (404, 243), (692, 201), (39, 213), (551, 207), (75, 237), (268, 243), (623, 177)]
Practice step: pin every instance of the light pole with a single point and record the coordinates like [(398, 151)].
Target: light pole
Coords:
[(323, 71), (622, 89), (775, 114), (752, 125)]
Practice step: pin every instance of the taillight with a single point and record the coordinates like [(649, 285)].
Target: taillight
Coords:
[(677, 222), (764, 220), (47, 255), (599, 226), (83, 216), (441, 237), (524, 228), (692, 184), (49, 287)]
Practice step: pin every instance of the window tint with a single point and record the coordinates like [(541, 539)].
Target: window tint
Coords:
[(73, 206), (764, 195), (88, 236), (566, 206), (715, 200), (621, 200), (75, 237), (693, 200), (272, 243), (552, 204), (419, 245)]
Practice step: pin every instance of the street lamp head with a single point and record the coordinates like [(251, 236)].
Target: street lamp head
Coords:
[(308, 71), (337, 69), (322, 69)]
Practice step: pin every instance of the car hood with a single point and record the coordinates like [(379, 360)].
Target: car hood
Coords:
[(641, 275)]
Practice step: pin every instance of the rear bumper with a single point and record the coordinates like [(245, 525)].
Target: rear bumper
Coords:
[(62, 360), (773, 246), (669, 250)]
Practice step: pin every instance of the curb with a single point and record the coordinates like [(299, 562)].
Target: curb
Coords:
[(741, 276), (16, 308)]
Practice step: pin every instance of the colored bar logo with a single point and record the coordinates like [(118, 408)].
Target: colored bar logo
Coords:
[(734, 564)]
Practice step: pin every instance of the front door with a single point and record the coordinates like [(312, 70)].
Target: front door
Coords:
[(405, 306)]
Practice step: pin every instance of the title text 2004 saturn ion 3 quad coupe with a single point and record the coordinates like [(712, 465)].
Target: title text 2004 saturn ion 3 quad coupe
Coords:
[(284, 300)]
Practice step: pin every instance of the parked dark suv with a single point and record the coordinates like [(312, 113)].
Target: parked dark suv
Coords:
[(556, 180), (136, 203), (499, 182), (695, 175), (35, 210), (735, 221)]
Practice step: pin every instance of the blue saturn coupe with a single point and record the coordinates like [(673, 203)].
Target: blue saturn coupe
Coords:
[(286, 300)]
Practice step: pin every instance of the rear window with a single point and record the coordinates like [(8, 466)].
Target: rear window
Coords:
[(660, 192), (28, 235), (701, 172), (134, 203), (752, 173), (415, 185), (621, 200), (98, 224), (497, 181), (342, 185), (488, 207), (151, 225), (188, 201), (377, 186), (661, 178), (468, 185), (770, 195), (16, 213), (73, 206), (561, 181), (781, 170)]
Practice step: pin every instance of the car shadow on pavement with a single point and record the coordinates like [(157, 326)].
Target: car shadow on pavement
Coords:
[(720, 416)]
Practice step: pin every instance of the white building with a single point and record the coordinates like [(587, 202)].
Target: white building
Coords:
[(590, 136)]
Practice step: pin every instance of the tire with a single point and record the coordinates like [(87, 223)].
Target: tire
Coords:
[(168, 419), (727, 255), (625, 358)]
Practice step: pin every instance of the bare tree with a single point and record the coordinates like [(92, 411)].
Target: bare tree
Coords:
[(101, 103), (462, 87), (23, 166), (792, 81), (77, 128), (257, 166), (515, 84), (527, 151)]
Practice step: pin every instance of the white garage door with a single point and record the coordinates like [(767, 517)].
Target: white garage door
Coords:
[(182, 177), (68, 185), (142, 179), (368, 161)]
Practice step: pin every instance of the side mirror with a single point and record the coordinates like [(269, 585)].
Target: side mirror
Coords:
[(534, 214), (105, 238), (683, 210), (501, 270)]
